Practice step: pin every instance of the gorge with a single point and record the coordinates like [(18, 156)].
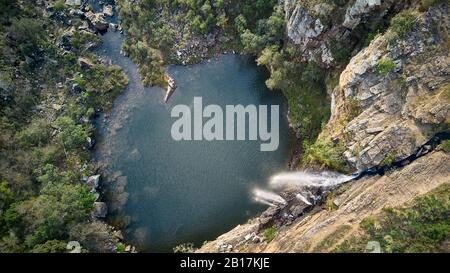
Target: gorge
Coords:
[(172, 191)]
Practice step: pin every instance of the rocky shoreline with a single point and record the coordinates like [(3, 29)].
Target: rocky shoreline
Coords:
[(97, 24)]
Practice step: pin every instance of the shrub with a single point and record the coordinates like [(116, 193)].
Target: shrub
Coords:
[(120, 248), (388, 159), (426, 4), (59, 5), (402, 23), (270, 233), (35, 134), (339, 51), (384, 66), (71, 135), (6, 196), (52, 246), (445, 146), (326, 154)]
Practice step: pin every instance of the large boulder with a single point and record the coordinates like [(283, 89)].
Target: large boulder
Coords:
[(93, 182)]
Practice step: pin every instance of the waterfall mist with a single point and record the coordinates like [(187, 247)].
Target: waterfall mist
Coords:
[(302, 182), (307, 179)]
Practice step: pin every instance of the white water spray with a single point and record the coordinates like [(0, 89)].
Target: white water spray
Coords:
[(302, 198), (267, 197), (302, 181), (305, 179)]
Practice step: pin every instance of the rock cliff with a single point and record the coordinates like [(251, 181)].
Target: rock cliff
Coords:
[(391, 98), (393, 95), (322, 28)]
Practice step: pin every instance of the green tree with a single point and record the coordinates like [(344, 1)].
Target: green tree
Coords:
[(51, 214), (71, 135)]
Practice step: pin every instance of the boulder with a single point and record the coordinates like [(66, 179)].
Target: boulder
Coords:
[(97, 21), (85, 63), (90, 142), (108, 10), (99, 210), (93, 181)]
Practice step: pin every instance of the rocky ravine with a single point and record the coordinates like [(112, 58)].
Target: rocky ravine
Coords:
[(375, 116)]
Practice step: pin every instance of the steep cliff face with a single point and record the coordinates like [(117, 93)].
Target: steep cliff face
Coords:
[(323, 28), (391, 98), (393, 95)]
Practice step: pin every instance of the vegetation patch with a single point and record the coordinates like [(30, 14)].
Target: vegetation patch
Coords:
[(426, 4), (326, 155), (49, 94), (331, 240), (270, 233), (401, 24), (388, 159), (422, 226), (184, 248), (445, 146), (384, 66)]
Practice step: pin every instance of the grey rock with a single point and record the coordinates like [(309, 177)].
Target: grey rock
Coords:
[(93, 182), (108, 10), (100, 210)]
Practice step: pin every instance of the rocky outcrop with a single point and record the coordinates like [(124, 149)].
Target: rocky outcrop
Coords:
[(322, 28), (108, 10), (386, 115), (392, 97), (97, 21), (352, 203), (358, 11), (171, 86)]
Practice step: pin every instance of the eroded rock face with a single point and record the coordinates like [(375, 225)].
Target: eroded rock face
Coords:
[(388, 115), (356, 12), (361, 199), (317, 27)]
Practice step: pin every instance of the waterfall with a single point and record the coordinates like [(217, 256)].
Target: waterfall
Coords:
[(307, 179), (267, 197), (303, 181)]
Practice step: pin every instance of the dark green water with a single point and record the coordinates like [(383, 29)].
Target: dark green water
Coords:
[(187, 191)]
